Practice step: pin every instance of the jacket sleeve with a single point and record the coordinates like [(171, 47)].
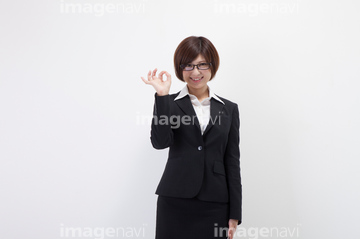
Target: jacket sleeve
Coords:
[(161, 132), (232, 167)]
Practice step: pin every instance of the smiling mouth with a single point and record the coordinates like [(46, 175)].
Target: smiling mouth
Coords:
[(196, 79)]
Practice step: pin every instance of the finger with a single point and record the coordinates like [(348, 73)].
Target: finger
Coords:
[(145, 81), (149, 75), (168, 76), (230, 234), (161, 75), (154, 72), (231, 230)]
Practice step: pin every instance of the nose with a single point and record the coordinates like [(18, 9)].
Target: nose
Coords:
[(195, 70)]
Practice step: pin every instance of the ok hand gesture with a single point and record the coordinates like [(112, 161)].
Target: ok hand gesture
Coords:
[(162, 87)]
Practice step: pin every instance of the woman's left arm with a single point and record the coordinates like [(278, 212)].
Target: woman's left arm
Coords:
[(232, 167)]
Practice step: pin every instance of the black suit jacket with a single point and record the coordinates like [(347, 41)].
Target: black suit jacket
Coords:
[(204, 166)]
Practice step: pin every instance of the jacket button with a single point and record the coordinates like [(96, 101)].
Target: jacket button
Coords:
[(200, 148)]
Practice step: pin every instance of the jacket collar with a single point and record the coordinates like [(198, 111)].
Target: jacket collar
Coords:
[(185, 91)]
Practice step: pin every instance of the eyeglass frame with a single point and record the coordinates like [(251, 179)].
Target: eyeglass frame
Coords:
[(197, 66)]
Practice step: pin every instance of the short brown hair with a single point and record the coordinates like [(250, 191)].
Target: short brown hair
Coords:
[(190, 48)]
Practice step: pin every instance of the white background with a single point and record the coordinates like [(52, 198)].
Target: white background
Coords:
[(74, 140)]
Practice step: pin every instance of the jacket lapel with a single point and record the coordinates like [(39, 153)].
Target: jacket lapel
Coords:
[(215, 112), (188, 109), (216, 108)]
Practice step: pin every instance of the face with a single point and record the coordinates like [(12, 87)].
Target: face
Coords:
[(197, 79)]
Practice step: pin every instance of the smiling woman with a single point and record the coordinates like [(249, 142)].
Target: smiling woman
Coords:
[(200, 189), (197, 77), (190, 48)]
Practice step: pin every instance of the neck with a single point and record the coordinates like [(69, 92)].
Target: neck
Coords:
[(200, 93)]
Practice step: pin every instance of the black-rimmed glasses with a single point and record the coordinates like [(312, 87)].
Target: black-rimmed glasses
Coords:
[(200, 66)]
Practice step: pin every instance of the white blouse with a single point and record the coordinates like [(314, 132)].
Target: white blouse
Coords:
[(202, 109)]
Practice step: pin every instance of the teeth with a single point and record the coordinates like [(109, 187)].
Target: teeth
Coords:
[(196, 79)]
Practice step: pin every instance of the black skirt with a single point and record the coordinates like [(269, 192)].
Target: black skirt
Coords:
[(190, 218)]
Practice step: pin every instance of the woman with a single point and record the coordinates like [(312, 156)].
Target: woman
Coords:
[(199, 194)]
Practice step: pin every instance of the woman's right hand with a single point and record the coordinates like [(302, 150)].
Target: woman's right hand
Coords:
[(162, 87)]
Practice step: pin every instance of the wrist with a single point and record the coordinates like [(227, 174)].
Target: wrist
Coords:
[(162, 93)]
